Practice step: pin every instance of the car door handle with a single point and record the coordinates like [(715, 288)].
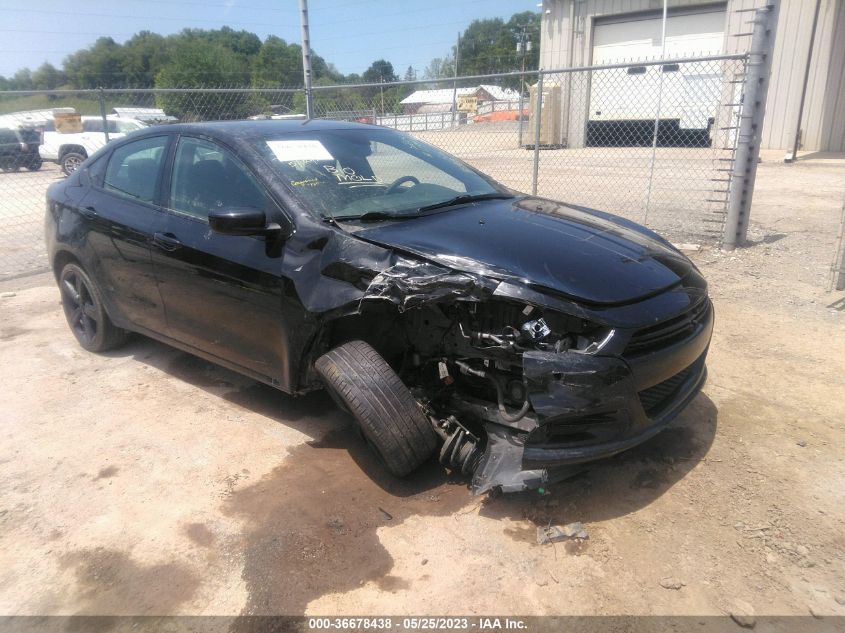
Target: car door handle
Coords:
[(88, 212), (166, 241)]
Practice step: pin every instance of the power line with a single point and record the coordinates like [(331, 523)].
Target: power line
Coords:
[(141, 17), (220, 6), (400, 12), (409, 28)]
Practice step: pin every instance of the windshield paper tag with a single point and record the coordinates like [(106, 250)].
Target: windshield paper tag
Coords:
[(289, 151)]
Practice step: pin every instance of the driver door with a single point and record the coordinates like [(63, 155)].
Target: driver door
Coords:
[(222, 294)]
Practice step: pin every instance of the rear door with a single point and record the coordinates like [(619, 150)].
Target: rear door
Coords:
[(223, 294), (93, 135), (121, 213)]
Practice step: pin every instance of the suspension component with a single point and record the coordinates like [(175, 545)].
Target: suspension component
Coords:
[(461, 451)]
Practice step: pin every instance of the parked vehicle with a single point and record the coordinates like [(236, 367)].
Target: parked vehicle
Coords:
[(69, 150), (512, 334), (19, 148)]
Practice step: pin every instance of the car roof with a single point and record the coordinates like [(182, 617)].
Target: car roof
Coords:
[(243, 130)]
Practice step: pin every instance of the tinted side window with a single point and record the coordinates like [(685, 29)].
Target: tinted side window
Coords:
[(208, 177), (92, 125), (135, 168), (8, 136)]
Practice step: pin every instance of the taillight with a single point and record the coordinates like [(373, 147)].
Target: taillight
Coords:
[(23, 146)]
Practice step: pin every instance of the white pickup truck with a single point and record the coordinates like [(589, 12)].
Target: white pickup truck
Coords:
[(69, 150)]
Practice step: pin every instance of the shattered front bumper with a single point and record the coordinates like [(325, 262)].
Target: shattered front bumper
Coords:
[(588, 407)]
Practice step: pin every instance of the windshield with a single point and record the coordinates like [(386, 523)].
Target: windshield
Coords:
[(371, 173)]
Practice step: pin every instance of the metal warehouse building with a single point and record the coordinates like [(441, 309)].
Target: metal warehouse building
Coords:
[(594, 32)]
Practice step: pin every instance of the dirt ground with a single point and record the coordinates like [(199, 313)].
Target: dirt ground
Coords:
[(146, 481)]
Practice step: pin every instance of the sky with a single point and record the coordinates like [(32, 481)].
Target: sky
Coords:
[(348, 33)]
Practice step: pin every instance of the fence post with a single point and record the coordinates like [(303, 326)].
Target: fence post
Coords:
[(538, 114), (102, 99), (750, 127), (837, 268), (656, 130)]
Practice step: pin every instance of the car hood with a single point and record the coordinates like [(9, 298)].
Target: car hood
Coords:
[(580, 253)]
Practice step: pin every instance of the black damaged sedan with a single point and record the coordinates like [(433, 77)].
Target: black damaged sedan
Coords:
[(513, 335)]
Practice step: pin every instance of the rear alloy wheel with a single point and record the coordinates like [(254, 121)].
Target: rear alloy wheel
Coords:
[(85, 313), (389, 418), (71, 162), (34, 164)]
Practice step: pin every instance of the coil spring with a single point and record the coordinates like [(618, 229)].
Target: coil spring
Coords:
[(461, 451)]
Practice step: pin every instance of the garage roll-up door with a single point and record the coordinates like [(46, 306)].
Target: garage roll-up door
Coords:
[(690, 92), (688, 34)]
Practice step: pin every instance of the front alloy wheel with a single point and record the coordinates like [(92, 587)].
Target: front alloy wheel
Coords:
[(85, 313)]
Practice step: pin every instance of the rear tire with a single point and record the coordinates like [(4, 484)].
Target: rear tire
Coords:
[(85, 313), (390, 419), (34, 164), (71, 161)]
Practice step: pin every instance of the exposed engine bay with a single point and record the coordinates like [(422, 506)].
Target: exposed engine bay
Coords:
[(491, 372)]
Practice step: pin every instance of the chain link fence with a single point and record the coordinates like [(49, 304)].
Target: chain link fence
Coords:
[(651, 141)]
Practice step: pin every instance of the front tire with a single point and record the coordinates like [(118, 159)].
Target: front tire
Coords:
[(85, 313), (388, 416), (71, 161)]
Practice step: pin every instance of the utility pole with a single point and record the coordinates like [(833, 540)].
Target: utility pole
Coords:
[(455, 81), (306, 58)]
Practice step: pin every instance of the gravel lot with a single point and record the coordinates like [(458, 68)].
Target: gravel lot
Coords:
[(146, 481)]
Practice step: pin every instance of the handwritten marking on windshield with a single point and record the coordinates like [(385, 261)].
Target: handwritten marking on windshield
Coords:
[(347, 176), (308, 182)]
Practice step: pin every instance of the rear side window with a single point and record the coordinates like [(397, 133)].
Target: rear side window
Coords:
[(8, 136), (92, 125), (134, 169)]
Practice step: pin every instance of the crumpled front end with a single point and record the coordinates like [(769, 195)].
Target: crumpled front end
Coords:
[(522, 386), (522, 383)]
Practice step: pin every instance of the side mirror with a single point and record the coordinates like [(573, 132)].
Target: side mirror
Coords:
[(242, 221)]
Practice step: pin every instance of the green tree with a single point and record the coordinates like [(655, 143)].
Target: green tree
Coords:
[(333, 103), (22, 80), (277, 65), (98, 65), (143, 56), (490, 46), (241, 42), (47, 77), (380, 71), (440, 68), (198, 64)]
